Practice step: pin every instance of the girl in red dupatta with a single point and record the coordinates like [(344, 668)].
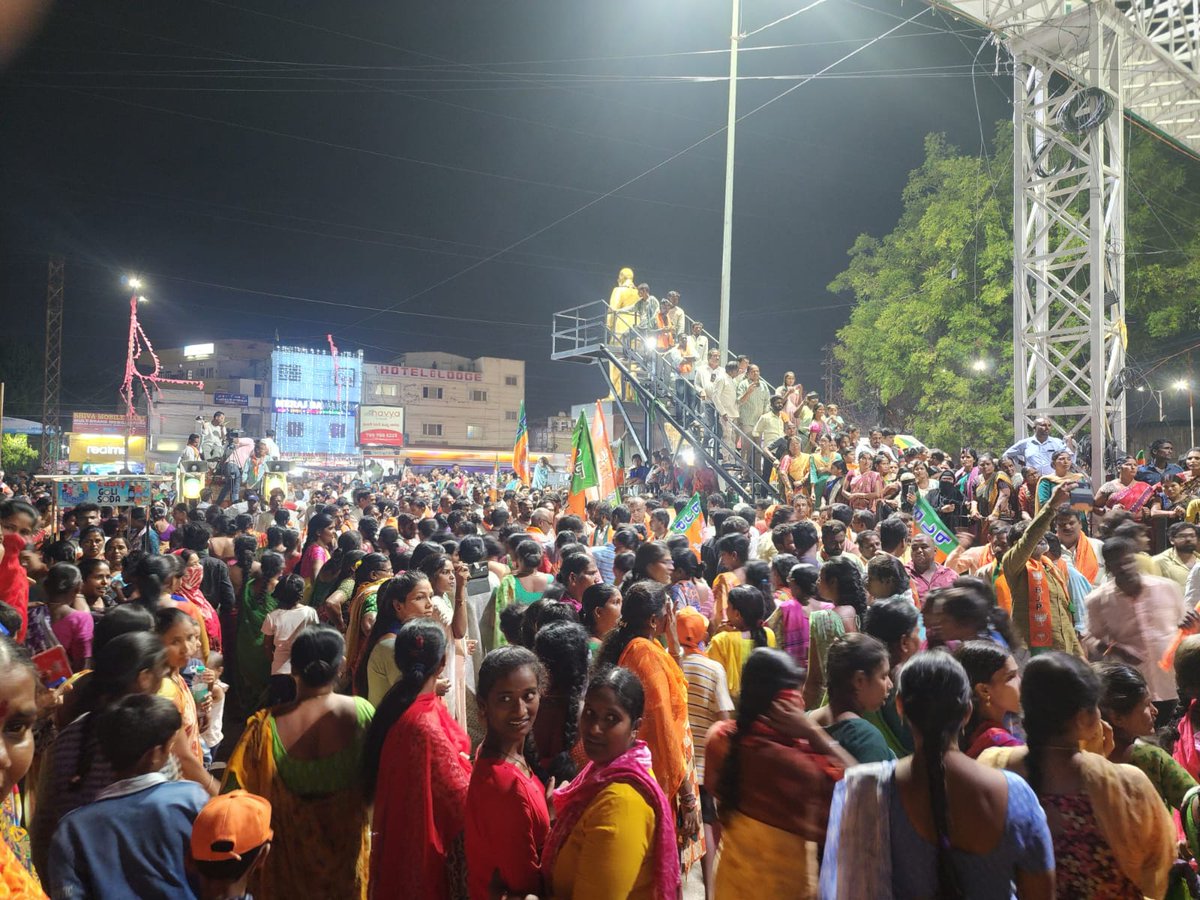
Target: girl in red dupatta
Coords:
[(416, 769), (189, 589), (615, 829)]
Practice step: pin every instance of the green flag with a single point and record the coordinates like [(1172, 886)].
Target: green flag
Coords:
[(926, 519), (583, 461)]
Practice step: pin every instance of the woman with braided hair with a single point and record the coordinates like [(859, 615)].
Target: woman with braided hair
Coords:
[(772, 772), (562, 648), (306, 758), (937, 824), (1113, 837), (746, 614), (416, 768)]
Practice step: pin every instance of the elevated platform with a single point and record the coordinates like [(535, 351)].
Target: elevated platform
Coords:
[(649, 392)]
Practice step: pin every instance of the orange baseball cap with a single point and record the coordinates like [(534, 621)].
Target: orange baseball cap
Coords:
[(692, 628), (230, 825)]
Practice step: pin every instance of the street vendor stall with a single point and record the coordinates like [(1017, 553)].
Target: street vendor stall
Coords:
[(69, 491)]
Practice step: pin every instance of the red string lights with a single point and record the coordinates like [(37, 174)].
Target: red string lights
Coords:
[(150, 382)]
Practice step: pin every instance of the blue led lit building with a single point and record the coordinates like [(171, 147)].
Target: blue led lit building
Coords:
[(315, 408)]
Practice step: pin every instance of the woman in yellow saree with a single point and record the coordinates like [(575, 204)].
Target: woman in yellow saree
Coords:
[(318, 811)]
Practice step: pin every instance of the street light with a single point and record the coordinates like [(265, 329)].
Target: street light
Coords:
[(1184, 385), (980, 365), (133, 281)]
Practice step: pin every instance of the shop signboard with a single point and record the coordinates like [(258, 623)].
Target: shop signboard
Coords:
[(381, 426), (105, 423), (224, 398), (104, 492)]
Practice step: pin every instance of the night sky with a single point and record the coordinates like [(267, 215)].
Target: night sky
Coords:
[(292, 168)]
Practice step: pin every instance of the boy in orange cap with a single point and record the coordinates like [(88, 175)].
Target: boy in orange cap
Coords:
[(230, 839)]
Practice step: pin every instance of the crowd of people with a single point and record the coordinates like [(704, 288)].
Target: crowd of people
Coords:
[(432, 685)]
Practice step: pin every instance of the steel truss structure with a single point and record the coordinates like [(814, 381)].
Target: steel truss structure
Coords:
[(52, 383), (1078, 69)]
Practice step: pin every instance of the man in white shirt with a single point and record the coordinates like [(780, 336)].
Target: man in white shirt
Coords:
[(675, 317), (212, 436), (876, 444), (647, 309), (725, 401), (705, 379), (272, 447), (191, 452), (700, 341)]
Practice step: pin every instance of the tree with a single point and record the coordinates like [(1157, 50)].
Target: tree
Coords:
[(934, 296), (934, 302), (16, 455)]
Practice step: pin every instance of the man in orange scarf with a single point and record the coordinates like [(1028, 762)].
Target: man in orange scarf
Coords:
[(1041, 603), (1081, 550)]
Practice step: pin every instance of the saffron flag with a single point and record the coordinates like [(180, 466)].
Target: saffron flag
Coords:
[(926, 519), (521, 447), (606, 477), (618, 451), (690, 521), (583, 468)]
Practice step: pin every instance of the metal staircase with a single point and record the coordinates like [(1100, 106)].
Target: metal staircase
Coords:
[(647, 390)]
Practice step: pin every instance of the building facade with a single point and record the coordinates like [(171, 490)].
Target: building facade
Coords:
[(314, 398), (450, 401)]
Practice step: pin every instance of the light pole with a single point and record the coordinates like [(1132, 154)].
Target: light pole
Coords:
[(135, 285), (727, 220), (1184, 385)]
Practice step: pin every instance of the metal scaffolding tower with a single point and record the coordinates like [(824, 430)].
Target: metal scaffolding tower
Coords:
[(1078, 68), (51, 423)]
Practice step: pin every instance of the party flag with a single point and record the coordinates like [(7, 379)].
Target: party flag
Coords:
[(690, 521), (926, 519), (521, 447), (606, 477), (583, 468)]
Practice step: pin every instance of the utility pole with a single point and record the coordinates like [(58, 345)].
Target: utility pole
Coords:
[(52, 381), (829, 362), (727, 222)]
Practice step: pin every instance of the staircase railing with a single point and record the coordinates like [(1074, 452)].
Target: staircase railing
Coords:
[(594, 333)]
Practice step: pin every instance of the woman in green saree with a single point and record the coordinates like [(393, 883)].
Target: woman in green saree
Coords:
[(253, 669), (523, 586)]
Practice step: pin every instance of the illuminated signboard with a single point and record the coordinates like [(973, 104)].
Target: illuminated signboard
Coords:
[(106, 423), (381, 426), (196, 351), (315, 411)]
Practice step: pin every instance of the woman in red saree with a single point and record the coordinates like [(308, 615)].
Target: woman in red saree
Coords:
[(1124, 490), (416, 769)]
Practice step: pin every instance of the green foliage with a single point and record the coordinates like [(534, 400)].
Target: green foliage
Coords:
[(934, 296), (16, 455)]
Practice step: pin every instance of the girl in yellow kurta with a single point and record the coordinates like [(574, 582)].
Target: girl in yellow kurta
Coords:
[(731, 649), (614, 835), (646, 614)]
